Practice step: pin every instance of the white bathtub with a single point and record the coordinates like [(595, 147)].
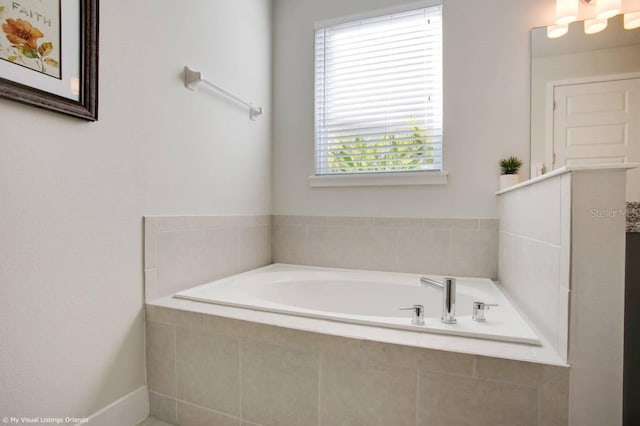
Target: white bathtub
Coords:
[(366, 297)]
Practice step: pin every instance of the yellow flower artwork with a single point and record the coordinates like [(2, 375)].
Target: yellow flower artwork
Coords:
[(30, 34)]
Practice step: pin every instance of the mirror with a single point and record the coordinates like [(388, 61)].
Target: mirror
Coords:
[(585, 98)]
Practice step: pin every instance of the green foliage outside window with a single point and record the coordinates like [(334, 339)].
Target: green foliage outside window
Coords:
[(393, 152)]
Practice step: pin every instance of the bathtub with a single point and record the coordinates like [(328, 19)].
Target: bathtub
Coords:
[(367, 298)]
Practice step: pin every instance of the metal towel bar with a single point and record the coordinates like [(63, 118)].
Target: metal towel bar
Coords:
[(192, 78)]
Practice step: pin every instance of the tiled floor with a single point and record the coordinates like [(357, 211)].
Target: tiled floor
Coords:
[(150, 421)]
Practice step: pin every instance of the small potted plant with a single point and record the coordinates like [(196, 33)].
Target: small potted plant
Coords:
[(510, 167)]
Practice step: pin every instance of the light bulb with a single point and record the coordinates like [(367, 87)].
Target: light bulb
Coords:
[(566, 11), (555, 31), (592, 26), (606, 9), (631, 20)]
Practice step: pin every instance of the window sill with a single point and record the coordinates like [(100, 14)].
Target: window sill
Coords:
[(379, 179)]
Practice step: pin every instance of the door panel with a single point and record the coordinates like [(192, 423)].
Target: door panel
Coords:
[(595, 123)]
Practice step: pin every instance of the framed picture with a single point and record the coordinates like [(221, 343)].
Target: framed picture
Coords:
[(49, 54)]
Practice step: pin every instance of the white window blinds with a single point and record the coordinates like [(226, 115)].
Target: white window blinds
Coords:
[(378, 94)]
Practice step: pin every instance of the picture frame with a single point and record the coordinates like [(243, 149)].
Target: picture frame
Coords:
[(50, 60)]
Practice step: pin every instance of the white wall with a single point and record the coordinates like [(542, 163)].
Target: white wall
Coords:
[(72, 194), (486, 108)]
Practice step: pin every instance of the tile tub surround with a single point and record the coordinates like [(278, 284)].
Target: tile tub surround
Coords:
[(183, 251), (462, 247), (534, 254), (206, 369)]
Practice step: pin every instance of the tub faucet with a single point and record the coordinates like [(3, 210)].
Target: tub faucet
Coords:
[(448, 288)]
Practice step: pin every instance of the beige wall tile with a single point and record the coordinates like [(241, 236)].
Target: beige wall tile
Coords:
[(327, 246), (175, 317), (349, 221), (152, 421), (545, 223), (423, 359), (554, 401), (208, 371), (564, 303), (150, 245), (160, 349), (541, 298), (150, 284), (423, 251), (398, 222), (530, 272), (520, 211), (474, 253), (356, 392), (163, 408), (431, 223), (452, 400), (249, 220), (289, 243), (389, 244), (279, 385), (193, 257), (205, 222), (317, 342), (190, 415), (517, 372), (565, 232), (489, 224), (254, 247), (240, 329), (299, 220), (166, 223), (373, 248)]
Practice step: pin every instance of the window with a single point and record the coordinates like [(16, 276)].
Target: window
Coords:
[(378, 94)]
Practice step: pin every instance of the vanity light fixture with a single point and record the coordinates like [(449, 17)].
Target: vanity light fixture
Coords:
[(555, 31), (566, 11), (632, 17), (596, 19), (606, 9), (592, 26), (632, 20)]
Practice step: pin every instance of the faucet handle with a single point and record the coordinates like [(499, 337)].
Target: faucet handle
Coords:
[(479, 309), (418, 314)]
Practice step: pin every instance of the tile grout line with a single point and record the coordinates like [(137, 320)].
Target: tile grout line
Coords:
[(538, 411), (175, 368), (320, 359), (530, 239), (156, 255), (238, 243), (211, 410), (417, 394), (144, 338), (306, 242), (239, 340)]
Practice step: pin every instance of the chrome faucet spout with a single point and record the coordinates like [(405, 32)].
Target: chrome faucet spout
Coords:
[(431, 283), (448, 287)]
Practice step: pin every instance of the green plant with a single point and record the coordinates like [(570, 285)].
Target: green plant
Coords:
[(510, 165), (402, 151)]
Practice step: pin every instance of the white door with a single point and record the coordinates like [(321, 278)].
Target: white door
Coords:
[(595, 123)]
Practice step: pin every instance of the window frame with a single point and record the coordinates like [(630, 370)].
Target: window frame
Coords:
[(381, 178)]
